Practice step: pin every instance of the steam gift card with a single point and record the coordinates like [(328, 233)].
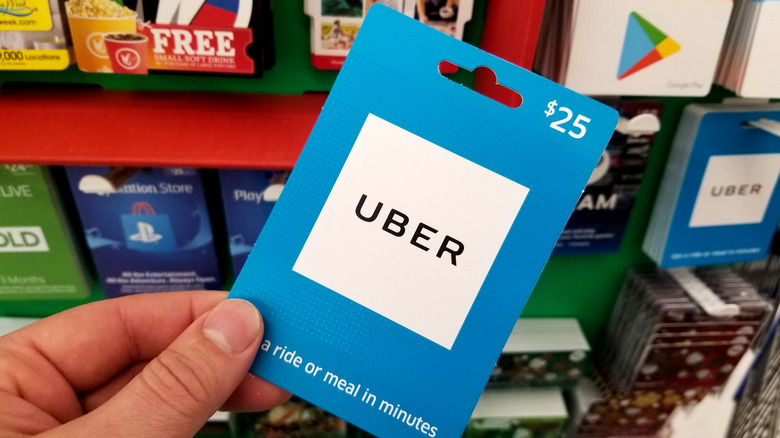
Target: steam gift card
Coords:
[(413, 228)]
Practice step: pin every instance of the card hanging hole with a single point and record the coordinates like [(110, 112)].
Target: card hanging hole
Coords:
[(483, 81)]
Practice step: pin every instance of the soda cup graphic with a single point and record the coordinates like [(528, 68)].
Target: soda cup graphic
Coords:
[(127, 52), (87, 35)]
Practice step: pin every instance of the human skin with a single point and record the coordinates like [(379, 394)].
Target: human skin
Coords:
[(152, 365)]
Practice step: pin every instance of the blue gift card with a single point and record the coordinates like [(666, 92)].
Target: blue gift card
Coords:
[(718, 201), (413, 228), (149, 231), (248, 197), (601, 216)]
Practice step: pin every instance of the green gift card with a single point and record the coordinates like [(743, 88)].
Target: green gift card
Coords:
[(38, 257)]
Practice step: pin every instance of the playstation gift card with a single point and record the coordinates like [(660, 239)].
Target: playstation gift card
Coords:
[(413, 228), (147, 230)]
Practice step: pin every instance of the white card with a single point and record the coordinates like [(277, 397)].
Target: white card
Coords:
[(646, 47)]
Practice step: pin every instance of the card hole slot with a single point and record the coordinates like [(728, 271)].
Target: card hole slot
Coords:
[(489, 87)]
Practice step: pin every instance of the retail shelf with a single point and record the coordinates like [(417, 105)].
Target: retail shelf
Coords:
[(139, 128)]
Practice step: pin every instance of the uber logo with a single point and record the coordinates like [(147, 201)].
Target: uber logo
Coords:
[(735, 190), (396, 223), (410, 230)]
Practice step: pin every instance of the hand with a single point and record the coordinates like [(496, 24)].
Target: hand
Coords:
[(152, 365)]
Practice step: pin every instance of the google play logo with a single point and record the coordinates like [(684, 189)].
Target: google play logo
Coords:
[(643, 46)]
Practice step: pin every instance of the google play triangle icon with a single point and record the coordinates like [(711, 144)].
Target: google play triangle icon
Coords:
[(643, 46)]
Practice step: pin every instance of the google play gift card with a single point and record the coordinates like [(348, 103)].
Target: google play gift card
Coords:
[(413, 228), (646, 47)]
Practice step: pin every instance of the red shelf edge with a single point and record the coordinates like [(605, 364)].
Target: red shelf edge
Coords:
[(162, 129)]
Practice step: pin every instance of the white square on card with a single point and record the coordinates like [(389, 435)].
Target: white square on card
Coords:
[(410, 230), (735, 190)]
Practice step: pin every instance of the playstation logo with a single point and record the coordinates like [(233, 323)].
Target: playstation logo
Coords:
[(145, 234)]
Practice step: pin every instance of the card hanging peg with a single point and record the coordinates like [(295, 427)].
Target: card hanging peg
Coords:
[(639, 125), (767, 125), (642, 124), (601, 169), (702, 294), (274, 190), (115, 178)]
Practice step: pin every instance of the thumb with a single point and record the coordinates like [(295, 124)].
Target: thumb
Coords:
[(177, 392)]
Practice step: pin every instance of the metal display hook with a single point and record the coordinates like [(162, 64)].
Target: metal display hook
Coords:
[(642, 124), (108, 183), (274, 190), (702, 294)]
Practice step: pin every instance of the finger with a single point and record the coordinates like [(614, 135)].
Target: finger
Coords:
[(28, 376), (89, 345), (54, 360), (254, 394), (92, 400), (20, 417), (176, 393)]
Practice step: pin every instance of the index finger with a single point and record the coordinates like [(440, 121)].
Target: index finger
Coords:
[(90, 344)]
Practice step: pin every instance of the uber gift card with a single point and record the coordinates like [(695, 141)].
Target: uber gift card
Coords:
[(718, 201), (413, 229)]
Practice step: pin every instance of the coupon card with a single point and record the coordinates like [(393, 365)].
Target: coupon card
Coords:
[(413, 228), (334, 24), (33, 36)]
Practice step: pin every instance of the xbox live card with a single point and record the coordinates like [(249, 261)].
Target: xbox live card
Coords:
[(413, 228)]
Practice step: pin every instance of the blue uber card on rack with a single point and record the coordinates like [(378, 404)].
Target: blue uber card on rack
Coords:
[(718, 201), (413, 228)]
